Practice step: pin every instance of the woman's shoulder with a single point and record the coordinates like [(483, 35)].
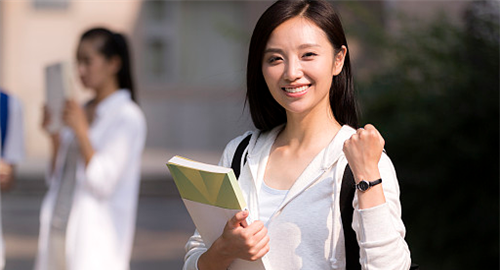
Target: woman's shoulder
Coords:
[(347, 130), (257, 137), (132, 111), (257, 141), (233, 144)]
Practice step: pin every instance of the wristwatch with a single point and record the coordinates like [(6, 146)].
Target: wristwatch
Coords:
[(364, 185)]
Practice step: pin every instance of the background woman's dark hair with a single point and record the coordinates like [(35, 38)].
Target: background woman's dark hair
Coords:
[(114, 44), (265, 111)]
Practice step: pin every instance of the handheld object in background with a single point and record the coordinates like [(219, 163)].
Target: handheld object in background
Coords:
[(58, 88)]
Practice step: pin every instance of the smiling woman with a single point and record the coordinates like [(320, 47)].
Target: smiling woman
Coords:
[(299, 60), (300, 94)]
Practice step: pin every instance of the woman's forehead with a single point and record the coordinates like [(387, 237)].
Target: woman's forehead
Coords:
[(297, 31), (94, 43)]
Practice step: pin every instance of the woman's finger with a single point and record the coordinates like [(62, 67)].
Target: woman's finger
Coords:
[(239, 219)]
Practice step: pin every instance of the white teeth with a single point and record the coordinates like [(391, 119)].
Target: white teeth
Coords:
[(296, 90)]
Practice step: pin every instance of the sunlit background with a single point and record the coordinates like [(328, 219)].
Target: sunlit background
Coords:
[(427, 75)]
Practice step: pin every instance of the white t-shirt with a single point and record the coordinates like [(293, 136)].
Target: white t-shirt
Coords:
[(270, 200)]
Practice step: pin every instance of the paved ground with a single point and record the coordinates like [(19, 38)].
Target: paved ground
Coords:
[(163, 226)]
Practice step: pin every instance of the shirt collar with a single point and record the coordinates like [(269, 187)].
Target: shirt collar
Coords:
[(336, 147), (330, 154)]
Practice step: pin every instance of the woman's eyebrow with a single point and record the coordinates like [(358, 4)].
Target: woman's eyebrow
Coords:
[(302, 46), (308, 45), (273, 50)]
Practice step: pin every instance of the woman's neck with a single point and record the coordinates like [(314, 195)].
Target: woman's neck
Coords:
[(309, 130), (105, 91)]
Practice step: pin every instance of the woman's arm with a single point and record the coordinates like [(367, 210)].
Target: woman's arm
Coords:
[(54, 138), (380, 229), (377, 216), (74, 117), (121, 144), (363, 151), (120, 151)]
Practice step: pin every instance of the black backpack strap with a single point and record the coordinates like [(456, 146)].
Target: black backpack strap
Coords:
[(346, 211), (236, 163)]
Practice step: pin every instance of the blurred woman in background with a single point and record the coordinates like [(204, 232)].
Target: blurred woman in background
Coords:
[(87, 218)]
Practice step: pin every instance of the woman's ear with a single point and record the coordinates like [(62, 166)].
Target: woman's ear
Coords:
[(339, 60), (116, 64)]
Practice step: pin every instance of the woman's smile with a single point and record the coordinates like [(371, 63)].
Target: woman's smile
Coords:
[(296, 91)]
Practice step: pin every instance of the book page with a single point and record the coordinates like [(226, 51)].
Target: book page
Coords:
[(185, 162)]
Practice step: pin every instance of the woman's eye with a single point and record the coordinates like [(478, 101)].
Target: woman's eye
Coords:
[(84, 61), (274, 59), (309, 54)]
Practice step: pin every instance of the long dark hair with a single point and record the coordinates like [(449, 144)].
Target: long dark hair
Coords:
[(265, 111), (114, 44)]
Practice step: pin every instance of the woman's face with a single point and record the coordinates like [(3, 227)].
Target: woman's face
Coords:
[(94, 69), (299, 64)]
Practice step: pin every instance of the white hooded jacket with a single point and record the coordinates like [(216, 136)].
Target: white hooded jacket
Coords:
[(306, 231)]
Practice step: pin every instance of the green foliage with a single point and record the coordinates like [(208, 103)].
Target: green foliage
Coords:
[(437, 106)]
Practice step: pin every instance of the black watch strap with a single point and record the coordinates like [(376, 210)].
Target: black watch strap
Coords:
[(364, 185)]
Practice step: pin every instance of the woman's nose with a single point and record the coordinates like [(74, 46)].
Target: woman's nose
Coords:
[(293, 70)]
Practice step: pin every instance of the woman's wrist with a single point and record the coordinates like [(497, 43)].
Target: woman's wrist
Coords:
[(214, 258), (81, 130), (368, 174), (374, 196)]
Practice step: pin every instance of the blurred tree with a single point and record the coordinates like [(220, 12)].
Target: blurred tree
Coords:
[(436, 101)]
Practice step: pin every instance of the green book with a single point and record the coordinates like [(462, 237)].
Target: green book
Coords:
[(206, 184), (212, 196)]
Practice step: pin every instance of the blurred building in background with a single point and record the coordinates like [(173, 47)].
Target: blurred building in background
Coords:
[(189, 60)]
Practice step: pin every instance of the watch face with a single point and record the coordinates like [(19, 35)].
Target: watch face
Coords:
[(363, 185)]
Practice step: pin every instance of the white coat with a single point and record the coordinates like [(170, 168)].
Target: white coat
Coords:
[(306, 230), (101, 223)]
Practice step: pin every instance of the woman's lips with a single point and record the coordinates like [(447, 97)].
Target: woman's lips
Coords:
[(296, 91)]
